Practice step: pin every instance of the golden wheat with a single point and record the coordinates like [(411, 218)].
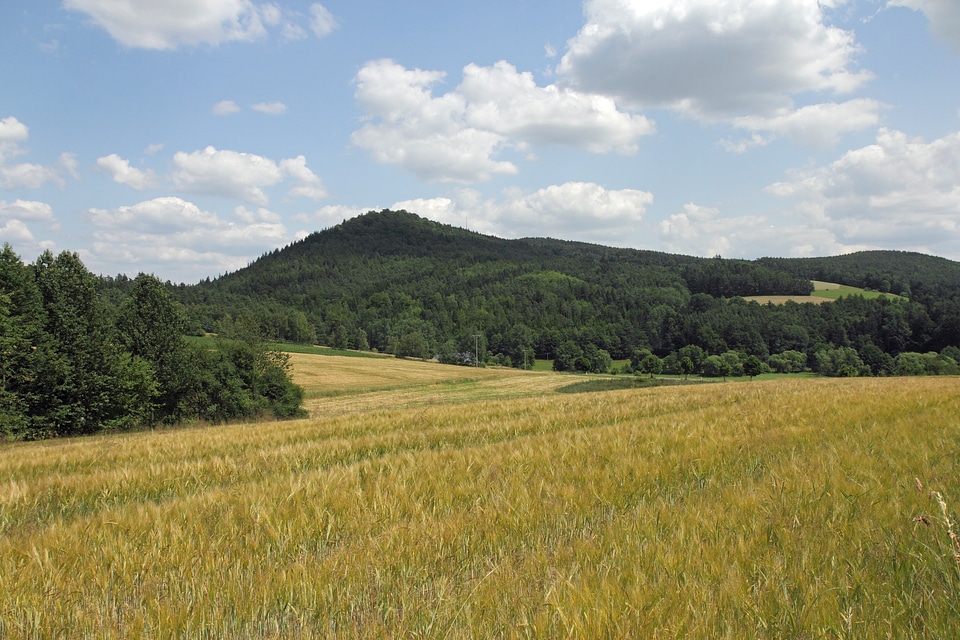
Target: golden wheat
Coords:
[(774, 509)]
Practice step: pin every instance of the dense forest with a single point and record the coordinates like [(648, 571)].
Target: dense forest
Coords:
[(398, 283), (73, 363)]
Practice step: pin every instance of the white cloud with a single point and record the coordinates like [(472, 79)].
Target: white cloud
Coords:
[(270, 108), (322, 22), (705, 231), (899, 192), (309, 184), (34, 176), (710, 59), (26, 210), (502, 100), (456, 137), (944, 16), (246, 216), (230, 174), (28, 175), (330, 215), (15, 232), (122, 173), (148, 24), (422, 134), (177, 237), (153, 149), (14, 217), (819, 125), (12, 130), (225, 108), (167, 25), (575, 210)]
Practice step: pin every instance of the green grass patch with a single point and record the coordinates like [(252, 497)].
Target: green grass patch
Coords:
[(622, 382), (840, 291), (289, 347)]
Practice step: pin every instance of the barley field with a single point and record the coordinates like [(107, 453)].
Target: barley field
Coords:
[(423, 501)]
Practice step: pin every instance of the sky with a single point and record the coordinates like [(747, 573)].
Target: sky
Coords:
[(185, 138)]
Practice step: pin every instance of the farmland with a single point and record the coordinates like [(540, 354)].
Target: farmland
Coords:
[(421, 500)]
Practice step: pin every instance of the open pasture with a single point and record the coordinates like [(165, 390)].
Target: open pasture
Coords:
[(789, 508)]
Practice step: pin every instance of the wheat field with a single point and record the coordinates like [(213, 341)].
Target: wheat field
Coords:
[(423, 501)]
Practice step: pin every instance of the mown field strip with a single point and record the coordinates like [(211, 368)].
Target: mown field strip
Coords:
[(770, 509), (339, 385)]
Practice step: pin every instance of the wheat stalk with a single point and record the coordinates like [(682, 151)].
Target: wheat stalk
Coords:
[(946, 516)]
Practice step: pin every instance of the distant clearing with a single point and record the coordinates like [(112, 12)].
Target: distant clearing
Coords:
[(823, 292)]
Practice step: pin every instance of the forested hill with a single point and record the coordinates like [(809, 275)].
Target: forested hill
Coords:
[(397, 282)]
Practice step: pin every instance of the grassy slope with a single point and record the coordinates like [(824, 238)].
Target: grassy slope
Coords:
[(767, 509), (823, 292)]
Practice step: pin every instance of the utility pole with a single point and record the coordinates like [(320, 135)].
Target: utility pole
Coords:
[(476, 338)]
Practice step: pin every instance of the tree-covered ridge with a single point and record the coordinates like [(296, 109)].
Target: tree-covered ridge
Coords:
[(399, 283), (70, 363)]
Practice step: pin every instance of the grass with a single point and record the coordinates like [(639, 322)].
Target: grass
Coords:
[(823, 292), (832, 291), (290, 347), (494, 506)]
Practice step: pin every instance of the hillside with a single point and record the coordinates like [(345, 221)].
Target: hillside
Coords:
[(399, 283)]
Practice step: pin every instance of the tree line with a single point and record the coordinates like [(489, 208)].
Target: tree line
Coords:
[(72, 363)]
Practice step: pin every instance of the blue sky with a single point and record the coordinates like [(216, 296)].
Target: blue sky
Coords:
[(185, 138)]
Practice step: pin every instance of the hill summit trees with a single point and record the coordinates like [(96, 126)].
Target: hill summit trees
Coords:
[(68, 366)]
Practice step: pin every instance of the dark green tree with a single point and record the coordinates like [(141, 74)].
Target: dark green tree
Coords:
[(150, 325), (88, 383), (753, 366), (651, 364)]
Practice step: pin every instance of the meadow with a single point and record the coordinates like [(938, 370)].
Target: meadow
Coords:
[(429, 501), (824, 292)]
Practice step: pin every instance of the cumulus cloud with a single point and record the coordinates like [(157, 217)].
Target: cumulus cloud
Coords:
[(899, 192), (705, 231), (28, 175), (819, 125), (181, 239), (308, 184), (457, 136), (233, 174), (26, 210), (230, 174), (422, 134), (507, 102), (12, 131), (122, 173), (148, 24), (944, 16), (225, 108), (711, 59), (270, 108), (576, 210), (14, 229)]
